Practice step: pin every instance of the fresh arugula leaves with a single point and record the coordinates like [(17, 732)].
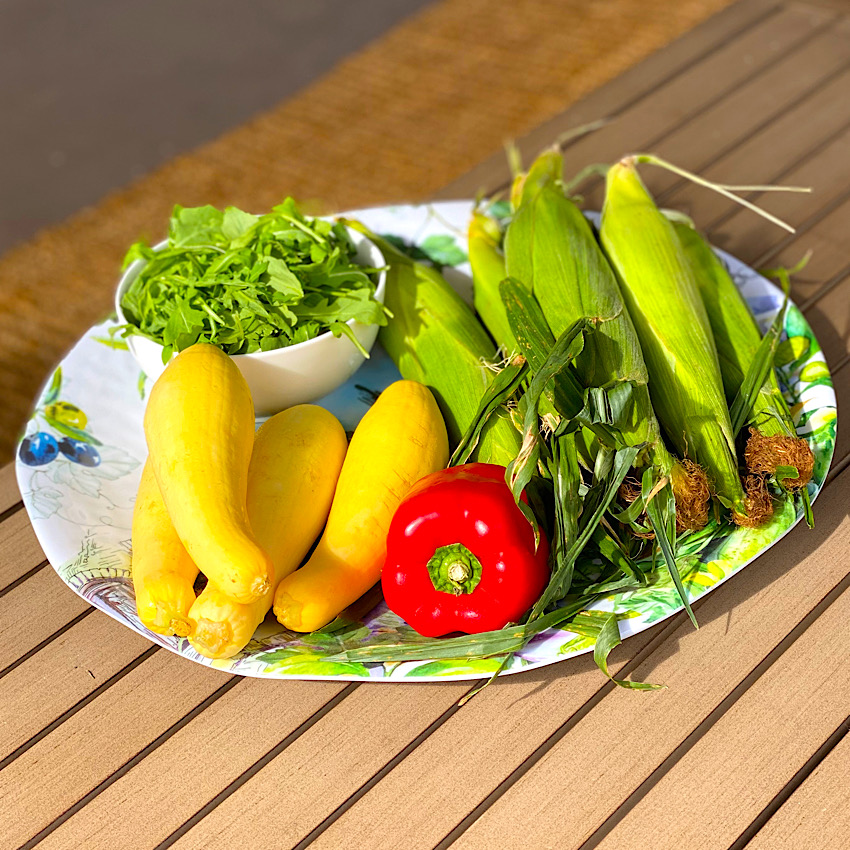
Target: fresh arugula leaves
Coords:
[(248, 283)]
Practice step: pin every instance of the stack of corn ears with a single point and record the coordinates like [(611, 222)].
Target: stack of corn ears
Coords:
[(670, 344)]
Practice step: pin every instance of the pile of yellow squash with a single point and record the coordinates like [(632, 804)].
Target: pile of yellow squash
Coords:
[(245, 509)]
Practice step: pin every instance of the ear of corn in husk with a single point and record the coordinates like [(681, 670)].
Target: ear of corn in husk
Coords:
[(773, 441), (565, 395), (663, 299), (551, 247), (488, 271), (435, 338)]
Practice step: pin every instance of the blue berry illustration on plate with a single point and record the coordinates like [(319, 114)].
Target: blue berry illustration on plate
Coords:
[(38, 449), (79, 452)]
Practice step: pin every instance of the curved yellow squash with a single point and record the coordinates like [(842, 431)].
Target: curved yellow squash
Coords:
[(199, 425), (163, 573), (401, 439), (297, 458)]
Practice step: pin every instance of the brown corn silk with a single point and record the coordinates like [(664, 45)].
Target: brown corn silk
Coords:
[(663, 299), (551, 248), (773, 441)]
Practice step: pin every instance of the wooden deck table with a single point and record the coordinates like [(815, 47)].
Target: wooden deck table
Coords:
[(109, 742)]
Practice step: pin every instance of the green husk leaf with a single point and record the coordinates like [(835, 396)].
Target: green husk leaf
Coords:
[(608, 640), (505, 384), (758, 371), (661, 512), (566, 482), (623, 460), (535, 340), (807, 507), (484, 645), (612, 549), (520, 470)]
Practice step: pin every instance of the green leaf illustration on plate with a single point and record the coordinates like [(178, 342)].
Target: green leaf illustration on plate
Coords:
[(301, 661), (443, 250), (111, 342), (70, 431), (460, 667), (791, 350), (55, 386)]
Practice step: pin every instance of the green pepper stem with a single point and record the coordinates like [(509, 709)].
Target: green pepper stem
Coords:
[(454, 569)]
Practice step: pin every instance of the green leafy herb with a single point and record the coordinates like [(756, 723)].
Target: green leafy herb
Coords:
[(248, 283)]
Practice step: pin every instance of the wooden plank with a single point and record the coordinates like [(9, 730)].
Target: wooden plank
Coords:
[(31, 612), (725, 28), (750, 754), (467, 756), (817, 219), (601, 760), (817, 815), (61, 768), (747, 112), (45, 686), (362, 735), (331, 760), (754, 108), (779, 154), (20, 551), (9, 493), (207, 754), (683, 98)]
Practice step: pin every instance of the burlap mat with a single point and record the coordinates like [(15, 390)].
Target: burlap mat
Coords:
[(395, 122)]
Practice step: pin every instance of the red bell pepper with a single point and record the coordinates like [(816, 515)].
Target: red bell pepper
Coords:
[(460, 554)]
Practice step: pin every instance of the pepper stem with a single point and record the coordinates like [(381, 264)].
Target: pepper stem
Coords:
[(459, 572), (454, 569)]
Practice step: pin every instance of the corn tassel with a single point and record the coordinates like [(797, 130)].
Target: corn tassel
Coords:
[(663, 300)]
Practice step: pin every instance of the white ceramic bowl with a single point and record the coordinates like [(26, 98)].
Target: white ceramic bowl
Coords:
[(285, 376)]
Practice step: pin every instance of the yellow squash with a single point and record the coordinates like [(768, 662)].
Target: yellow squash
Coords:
[(401, 439), (163, 572), (199, 425), (296, 462)]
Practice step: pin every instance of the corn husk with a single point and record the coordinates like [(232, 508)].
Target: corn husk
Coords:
[(663, 299), (773, 440), (563, 397), (435, 338), (488, 271)]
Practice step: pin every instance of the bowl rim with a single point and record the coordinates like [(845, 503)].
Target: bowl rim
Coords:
[(359, 239)]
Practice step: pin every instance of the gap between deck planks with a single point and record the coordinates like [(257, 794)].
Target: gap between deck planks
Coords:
[(817, 815), (368, 689)]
